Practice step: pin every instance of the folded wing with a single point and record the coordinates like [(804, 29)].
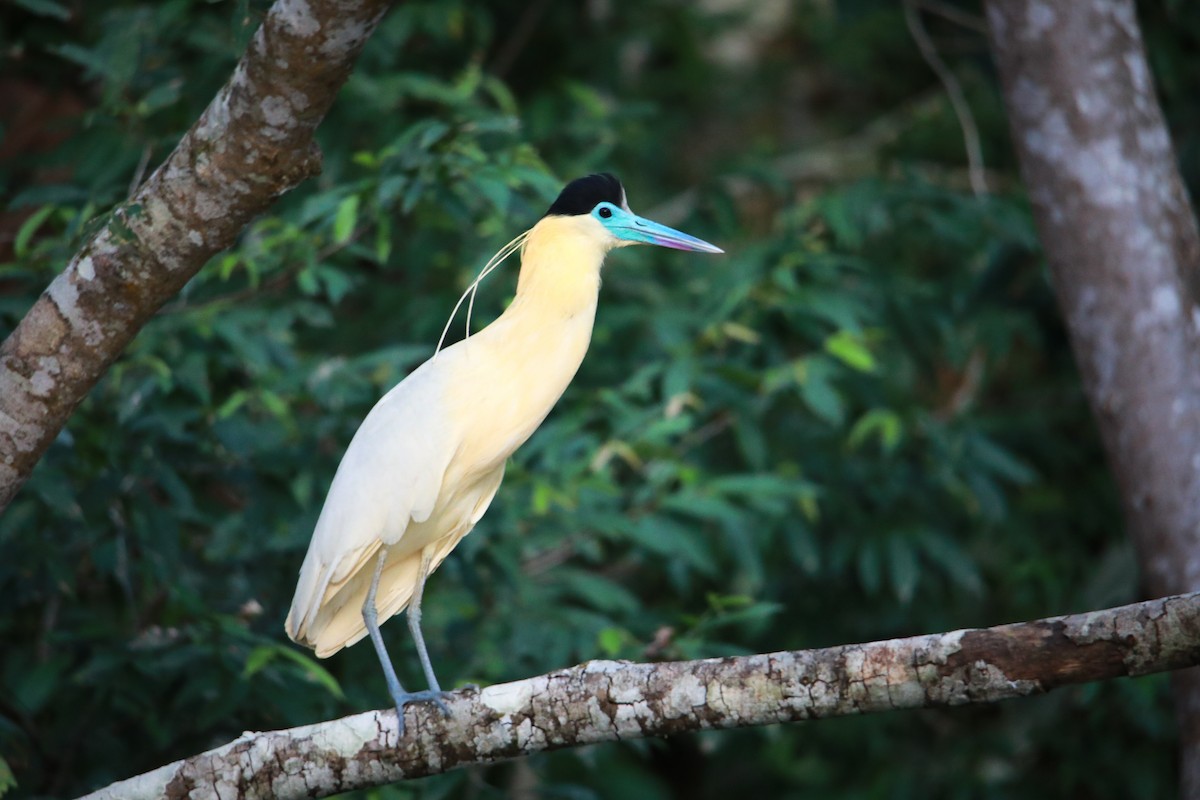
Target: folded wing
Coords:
[(389, 479)]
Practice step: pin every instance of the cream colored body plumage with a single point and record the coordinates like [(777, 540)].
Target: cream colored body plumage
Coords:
[(427, 461), (425, 485)]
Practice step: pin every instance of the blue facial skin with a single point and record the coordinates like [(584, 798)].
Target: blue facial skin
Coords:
[(629, 227)]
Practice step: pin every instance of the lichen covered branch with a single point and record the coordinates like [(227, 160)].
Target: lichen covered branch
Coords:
[(253, 143), (607, 701)]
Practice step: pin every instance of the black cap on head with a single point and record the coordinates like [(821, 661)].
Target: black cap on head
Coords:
[(581, 195)]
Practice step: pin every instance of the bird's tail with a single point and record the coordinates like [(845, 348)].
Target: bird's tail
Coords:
[(338, 621)]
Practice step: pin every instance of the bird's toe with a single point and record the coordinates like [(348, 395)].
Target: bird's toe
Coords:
[(402, 701)]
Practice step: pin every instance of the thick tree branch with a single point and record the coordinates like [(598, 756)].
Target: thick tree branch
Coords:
[(607, 701), (253, 142), (1121, 239)]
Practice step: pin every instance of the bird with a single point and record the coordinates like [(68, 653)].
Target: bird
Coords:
[(428, 459)]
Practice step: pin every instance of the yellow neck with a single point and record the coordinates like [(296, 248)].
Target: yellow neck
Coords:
[(560, 270), (527, 357)]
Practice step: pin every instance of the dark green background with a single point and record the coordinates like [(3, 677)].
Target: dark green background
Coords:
[(863, 422)]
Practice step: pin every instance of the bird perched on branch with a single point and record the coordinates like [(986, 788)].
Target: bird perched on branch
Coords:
[(427, 461)]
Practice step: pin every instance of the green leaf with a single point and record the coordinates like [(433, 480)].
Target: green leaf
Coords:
[(752, 442), (35, 686), (160, 97), (345, 219), (674, 542), (758, 484), (274, 404), (264, 655), (802, 545), (843, 222), (822, 399), (989, 498), (610, 641), (849, 348), (879, 421), (597, 591), (8, 781), (45, 8), (226, 264), (232, 404), (737, 611), (365, 158), (383, 239), (95, 63), (336, 282), (306, 279), (315, 671), (259, 657), (952, 559), (678, 377), (434, 131), (495, 190), (1001, 462), (28, 229), (722, 603), (698, 505)]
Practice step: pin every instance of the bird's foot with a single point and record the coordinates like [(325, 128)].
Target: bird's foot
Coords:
[(402, 699)]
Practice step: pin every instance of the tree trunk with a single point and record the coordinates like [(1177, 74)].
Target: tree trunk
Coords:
[(253, 143), (1121, 240)]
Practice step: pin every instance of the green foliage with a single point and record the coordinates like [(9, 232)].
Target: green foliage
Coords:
[(863, 422)]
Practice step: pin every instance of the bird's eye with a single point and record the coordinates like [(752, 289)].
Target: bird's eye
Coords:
[(605, 212)]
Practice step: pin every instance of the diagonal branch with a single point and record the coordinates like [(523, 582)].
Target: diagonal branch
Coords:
[(608, 701), (253, 143)]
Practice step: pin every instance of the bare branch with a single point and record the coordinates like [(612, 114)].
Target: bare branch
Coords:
[(953, 14), (958, 100), (253, 143), (608, 701)]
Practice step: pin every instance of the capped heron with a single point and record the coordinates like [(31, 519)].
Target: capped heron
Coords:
[(427, 461)]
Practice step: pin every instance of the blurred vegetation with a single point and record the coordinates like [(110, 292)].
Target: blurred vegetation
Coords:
[(864, 422)]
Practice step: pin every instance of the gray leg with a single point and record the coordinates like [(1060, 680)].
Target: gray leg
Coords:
[(414, 621), (371, 617)]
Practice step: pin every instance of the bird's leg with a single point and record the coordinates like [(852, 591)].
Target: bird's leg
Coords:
[(414, 625), (371, 617)]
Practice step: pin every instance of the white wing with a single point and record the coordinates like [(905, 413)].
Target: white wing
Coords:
[(390, 476)]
